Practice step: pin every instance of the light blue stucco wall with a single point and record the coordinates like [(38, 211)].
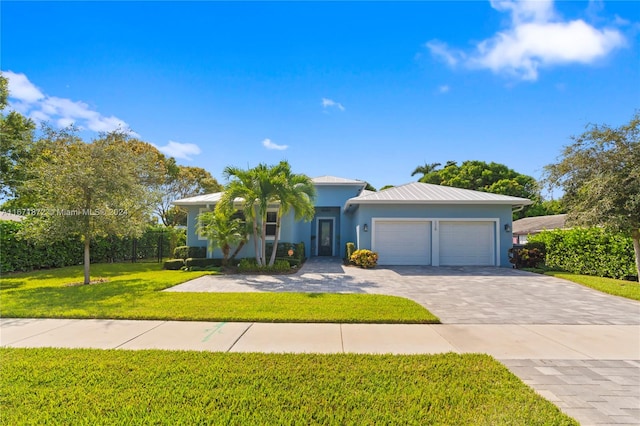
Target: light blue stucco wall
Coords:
[(329, 202), (365, 213)]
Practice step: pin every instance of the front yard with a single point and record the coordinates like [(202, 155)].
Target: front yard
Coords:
[(133, 291), (98, 387)]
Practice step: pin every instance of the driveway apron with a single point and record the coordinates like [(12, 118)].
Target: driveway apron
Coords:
[(457, 295)]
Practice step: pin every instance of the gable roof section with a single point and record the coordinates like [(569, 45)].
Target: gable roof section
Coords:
[(533, 225), (199, 200), (333, 180), (321, 180), (425, 193)]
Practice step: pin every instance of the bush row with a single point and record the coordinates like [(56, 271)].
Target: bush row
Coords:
[(18, 253), (185, 252), (588, 251), (251, 265)]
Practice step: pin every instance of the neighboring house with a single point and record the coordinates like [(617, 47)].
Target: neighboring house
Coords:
[(10, 216), (522, 228), (412, 224)]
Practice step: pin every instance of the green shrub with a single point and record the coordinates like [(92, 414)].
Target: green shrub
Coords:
[(250, 265), (364, 258), (589, 251), (173, 264), (531, 255), (202, 262), (185, 252), (350, 248)]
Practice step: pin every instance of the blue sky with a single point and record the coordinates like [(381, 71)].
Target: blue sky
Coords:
[(364, 90)]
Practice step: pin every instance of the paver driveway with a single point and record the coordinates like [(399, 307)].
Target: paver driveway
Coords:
[(457, 295)]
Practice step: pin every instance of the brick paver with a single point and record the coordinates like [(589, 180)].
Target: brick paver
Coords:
[(457, 295)]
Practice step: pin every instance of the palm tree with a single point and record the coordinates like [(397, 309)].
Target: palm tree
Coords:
[(243, 186), (426, 169), (292, 192), (222, 230), (264, 186)]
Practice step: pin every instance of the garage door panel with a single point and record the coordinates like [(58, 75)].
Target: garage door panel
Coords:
[(403, 242), (467, 243)]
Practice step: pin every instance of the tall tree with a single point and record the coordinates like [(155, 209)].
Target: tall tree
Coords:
[(183, 182), (600, 175), (488, 177), (91, 189), (425, 169), (292, 192), (16, 143), (264, 187)]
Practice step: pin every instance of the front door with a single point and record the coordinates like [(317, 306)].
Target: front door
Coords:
[(325, 240)]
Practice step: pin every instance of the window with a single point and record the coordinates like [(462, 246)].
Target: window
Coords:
[(200, 236), (272, 217), (239, 214)]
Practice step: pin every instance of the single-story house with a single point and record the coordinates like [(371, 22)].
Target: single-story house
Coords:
[(411, 224), (524, 227)]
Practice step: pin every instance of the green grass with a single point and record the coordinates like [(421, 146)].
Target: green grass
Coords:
[(628, 289), (133, 292), (94, 387)]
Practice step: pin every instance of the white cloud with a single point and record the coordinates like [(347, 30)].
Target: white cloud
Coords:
[(182, 151), (444, 88), (536, 38), (330, 103), (444, 53), (270, 145), (27, 99), (21, 88)]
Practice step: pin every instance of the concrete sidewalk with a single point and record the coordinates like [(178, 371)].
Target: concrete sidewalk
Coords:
[(591, 372), (503, 341)]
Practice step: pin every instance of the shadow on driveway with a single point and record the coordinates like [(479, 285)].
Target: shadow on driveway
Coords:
[(457, 295)]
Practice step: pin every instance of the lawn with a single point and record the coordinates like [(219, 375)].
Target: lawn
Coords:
[(132, 291), (64, 386), (628, 289)]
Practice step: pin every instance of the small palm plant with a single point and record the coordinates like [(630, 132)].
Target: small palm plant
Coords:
[(223, 230)]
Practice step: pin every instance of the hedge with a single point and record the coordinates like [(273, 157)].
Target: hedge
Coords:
[(185, 252), (589, 251), (18, 253), (202, 262), (173, 264)]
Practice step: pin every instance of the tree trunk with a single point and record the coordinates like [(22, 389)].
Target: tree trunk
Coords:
[(275, 241), (635, 236), (87, 259), (235, 253), (255, 240), (225, 254), (263, 250)]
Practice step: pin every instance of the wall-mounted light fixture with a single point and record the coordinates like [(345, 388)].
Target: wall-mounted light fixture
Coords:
[(507, 227), (365, 227)]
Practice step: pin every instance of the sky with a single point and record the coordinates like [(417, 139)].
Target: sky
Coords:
[(361, 90)]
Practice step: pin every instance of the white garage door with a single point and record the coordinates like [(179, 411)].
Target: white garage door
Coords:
[(467, 243), (402, 242)]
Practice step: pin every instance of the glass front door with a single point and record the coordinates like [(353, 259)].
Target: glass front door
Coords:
[(325, 234)]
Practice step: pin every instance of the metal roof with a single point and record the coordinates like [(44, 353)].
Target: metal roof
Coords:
[(199, 199), (333, 180), (425, 193)]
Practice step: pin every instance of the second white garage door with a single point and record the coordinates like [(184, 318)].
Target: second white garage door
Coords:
[(402, 242), (467, 243)]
